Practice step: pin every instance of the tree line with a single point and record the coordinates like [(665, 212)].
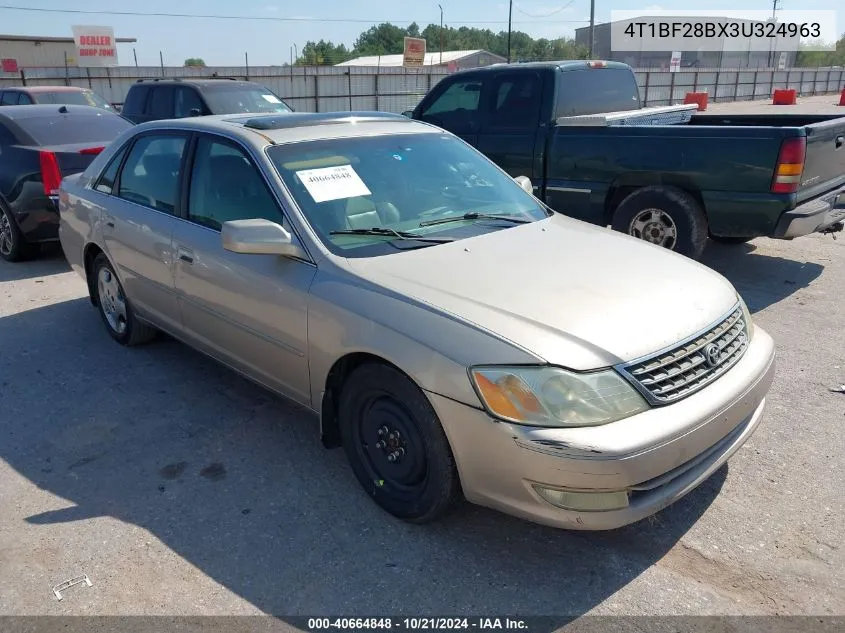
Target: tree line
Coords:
[(389, 39)]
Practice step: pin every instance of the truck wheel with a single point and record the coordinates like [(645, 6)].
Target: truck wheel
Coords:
[(665, 216), (730, 239), (396, 445)]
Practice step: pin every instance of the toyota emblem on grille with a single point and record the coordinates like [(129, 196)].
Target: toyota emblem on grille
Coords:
[(712, 354)]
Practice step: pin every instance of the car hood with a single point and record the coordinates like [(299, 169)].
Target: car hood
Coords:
[(571, 293)]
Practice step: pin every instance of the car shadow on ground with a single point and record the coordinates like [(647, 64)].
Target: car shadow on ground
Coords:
[(762, 280), (236, 482), (50, 261)]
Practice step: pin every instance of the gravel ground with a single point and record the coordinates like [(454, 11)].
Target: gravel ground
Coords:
[(181, 489)]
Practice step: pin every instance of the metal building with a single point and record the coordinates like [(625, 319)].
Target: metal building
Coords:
[(29, 51)]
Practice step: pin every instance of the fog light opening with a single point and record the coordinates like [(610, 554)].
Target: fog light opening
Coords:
[(584, 501)]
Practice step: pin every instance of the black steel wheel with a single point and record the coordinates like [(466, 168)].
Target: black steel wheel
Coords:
[(396, 445)]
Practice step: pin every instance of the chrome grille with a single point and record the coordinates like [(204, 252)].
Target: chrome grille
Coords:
[(677, 373)]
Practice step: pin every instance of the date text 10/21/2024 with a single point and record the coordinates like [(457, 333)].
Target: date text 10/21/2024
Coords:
[(416, 624)]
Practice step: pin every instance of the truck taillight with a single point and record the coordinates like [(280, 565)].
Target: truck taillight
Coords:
[(597, 64), (51, 175), (790, 165)]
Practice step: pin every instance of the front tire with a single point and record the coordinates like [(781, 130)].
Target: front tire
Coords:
[(396, 446), (665, 216), (115, 309)]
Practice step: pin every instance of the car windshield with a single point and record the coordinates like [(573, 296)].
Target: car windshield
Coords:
[(234, 99), (402, 183), (73, 97)]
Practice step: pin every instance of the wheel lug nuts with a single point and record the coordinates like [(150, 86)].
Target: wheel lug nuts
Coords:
[(380, 444), (392, 457)]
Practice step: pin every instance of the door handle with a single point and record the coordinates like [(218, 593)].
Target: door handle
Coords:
[(839, 141), (185, 255), (109, 221)]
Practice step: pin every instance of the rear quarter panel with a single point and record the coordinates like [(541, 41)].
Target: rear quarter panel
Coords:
[(79, 223)]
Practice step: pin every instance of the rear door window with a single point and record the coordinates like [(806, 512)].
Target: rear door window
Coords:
[(9, 97), (596, 90), (161, 102), (109, 176), (152, 171), (136, 99)]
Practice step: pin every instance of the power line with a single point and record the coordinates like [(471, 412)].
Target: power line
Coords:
[(262, 18)]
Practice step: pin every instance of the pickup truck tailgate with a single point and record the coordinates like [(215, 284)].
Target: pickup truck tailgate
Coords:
[(824, 167)]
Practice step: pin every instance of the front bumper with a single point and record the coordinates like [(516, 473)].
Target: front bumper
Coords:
[(657, 456), (824, 214)]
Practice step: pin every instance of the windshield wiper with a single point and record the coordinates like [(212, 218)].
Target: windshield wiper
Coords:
[(472, 215), (402, 235)]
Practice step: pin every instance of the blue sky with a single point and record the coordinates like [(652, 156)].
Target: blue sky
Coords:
[(223, 42)]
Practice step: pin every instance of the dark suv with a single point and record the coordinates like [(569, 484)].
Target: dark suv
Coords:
[(153, 99)]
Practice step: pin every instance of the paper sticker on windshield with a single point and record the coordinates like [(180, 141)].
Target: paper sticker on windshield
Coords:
[(271, 98), (333, 183)]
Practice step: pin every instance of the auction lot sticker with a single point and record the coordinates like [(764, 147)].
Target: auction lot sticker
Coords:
[(333, 183)]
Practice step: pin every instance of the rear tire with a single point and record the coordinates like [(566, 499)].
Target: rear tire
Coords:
[(383, 413), (13, 245), (115, 309), (730, 240), (665, 216)]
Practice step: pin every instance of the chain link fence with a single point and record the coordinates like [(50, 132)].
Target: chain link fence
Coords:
[(396, 89)]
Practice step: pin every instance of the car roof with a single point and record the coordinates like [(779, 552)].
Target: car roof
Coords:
[(276, 129), (37, 89), (18, 112), (567, 64)]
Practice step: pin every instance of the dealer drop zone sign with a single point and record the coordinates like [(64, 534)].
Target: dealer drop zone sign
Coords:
[(95, 46)]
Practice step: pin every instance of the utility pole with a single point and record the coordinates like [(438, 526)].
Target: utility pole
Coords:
[(510, 16), (592, 26), (441, 34), (775, 7)]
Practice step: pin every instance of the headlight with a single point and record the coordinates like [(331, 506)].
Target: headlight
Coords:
[(746, 314), (554, 397)]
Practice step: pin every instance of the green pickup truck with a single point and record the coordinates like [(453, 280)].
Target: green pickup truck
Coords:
[(578, 130)]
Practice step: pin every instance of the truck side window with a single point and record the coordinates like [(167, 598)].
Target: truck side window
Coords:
[(515, 101), (187, 99), (161, 102), (456, 109)]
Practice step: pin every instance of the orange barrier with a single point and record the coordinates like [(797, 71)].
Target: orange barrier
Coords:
[(699, 98), (784, 97)]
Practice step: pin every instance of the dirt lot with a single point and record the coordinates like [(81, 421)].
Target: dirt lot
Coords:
[(179, 488)]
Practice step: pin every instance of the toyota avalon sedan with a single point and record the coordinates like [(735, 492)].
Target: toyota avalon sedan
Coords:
[(452, 334)]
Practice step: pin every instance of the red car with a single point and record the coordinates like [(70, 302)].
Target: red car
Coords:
[(60, 95)]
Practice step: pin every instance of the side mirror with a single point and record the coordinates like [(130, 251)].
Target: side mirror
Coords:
[(408, 113), (525, 183), (194, 112), (259, 237)]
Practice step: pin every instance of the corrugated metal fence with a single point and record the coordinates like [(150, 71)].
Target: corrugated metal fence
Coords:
[(330, 88)]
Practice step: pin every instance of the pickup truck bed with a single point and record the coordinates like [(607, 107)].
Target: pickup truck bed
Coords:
[(726, 163)]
